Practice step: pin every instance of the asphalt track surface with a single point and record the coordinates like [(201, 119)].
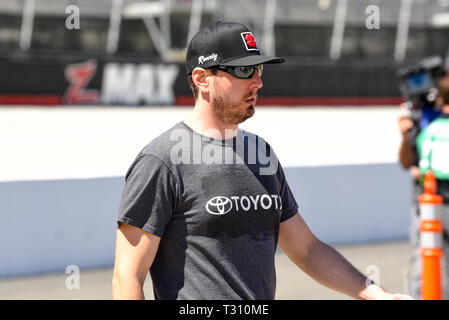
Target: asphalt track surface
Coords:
[(387, 262)]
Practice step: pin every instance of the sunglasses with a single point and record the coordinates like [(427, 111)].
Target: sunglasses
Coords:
[(244, 72)]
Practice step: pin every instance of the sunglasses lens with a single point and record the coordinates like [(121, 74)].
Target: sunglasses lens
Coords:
[(248, 72), (244, 72)]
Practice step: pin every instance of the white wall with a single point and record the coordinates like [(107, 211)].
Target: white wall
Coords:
[(61, 176), (60, 143), (51, 224), (353, 203)]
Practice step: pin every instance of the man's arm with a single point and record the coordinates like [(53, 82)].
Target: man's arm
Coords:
[(324, 264), (407, 155), (407, 150), (134, 254)]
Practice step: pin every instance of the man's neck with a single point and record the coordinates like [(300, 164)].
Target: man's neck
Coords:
[(204, 121)]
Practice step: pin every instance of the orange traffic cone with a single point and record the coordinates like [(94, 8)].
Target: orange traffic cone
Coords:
[(431, 239)]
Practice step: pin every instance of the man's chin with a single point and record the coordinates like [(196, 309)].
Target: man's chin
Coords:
[(249, 113)]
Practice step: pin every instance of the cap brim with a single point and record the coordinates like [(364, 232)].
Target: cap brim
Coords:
[(252, 61)]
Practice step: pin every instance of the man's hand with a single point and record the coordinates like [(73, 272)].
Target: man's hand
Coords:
[(404, 124), (415, 172), (407, 156), (374, 292)]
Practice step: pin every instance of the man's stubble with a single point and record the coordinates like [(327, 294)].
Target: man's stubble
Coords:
[(229, 111)]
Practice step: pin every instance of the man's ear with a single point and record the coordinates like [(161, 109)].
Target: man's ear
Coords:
[(199, 77)]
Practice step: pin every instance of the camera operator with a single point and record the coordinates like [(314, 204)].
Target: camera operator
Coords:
[(424, 124)]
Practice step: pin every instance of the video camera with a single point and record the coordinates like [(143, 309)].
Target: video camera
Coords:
[(419, 84)]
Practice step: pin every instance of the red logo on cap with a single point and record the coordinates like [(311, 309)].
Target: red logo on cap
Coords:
[(249, 41)]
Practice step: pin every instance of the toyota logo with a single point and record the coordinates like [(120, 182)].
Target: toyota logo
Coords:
[(219, 205)]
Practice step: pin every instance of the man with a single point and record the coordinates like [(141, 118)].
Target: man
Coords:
[(427, 148), (204, 207)]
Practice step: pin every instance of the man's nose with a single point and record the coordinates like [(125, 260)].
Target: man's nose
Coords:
[(256, 81)]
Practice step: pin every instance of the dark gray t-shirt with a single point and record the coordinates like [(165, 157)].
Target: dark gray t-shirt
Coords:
[(217, 206)]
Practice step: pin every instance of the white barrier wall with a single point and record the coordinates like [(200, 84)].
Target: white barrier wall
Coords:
[(49, 225), (61, 177), (353, 203)]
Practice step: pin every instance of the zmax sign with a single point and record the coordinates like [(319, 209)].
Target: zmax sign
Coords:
[(128, 83)]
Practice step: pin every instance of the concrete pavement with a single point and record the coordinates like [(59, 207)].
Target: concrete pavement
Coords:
[(386, 261)]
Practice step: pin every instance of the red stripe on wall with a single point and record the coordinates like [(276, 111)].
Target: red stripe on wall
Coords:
[(329, 101), (262, 101), (16, 99), (311, 101), (184, 101)]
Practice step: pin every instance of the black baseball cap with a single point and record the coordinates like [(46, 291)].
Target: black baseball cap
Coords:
[(225, 44)]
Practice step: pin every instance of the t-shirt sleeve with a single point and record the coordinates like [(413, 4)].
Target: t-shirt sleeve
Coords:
[(289, 205), (149, 196)]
